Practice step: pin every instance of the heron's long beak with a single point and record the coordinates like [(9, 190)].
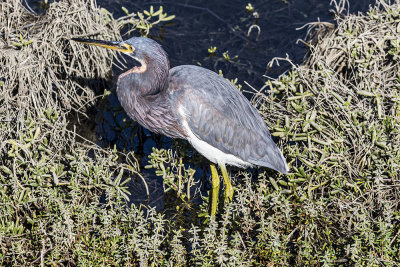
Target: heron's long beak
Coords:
[(114, 45)]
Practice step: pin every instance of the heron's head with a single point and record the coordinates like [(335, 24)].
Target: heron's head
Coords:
[(144, 50), (151, 75)]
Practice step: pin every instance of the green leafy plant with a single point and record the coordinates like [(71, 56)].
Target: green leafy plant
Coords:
[(22, 42)]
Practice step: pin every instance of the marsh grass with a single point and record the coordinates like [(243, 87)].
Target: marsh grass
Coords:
[(338, 115), (63, 199)]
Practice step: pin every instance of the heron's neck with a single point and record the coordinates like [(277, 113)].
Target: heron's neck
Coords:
[(148, 79), (142, 92)]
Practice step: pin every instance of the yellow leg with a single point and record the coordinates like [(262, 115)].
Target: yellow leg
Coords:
[(215, 189), (227, 182)]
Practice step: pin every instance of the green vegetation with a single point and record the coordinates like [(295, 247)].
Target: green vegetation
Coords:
[(63, 199)]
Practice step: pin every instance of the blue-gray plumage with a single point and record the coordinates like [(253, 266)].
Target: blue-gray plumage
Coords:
[(221, 116), (196, 104)]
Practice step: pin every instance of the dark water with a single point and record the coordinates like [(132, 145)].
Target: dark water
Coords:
[(225, 25), (198, 26)]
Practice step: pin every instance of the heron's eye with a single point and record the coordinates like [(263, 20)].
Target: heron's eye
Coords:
[(128, 47)]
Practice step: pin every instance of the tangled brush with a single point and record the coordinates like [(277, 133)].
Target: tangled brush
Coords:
[(338, 117)]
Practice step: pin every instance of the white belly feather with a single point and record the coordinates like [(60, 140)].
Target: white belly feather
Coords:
[(212, 153)]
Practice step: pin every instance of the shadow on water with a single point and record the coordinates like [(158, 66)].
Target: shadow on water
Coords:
[(251, 38)]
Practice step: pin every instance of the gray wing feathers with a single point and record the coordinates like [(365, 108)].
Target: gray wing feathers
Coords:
[(221, 116)]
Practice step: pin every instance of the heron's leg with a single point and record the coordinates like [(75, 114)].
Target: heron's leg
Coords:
[(215, 189), (227, 182)]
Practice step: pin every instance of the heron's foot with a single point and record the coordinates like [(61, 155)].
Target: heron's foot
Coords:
[(228, 185), (215, 189)]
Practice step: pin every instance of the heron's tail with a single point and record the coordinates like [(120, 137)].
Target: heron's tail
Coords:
[(273, 158)]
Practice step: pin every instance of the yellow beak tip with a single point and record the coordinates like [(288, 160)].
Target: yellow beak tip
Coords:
[(114, 45)]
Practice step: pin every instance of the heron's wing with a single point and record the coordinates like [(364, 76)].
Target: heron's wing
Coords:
[(220, 115)]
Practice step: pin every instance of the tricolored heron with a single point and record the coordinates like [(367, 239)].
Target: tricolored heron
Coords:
[(196, 104)]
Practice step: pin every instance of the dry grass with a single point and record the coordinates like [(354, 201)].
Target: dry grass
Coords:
[(42, 69)]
